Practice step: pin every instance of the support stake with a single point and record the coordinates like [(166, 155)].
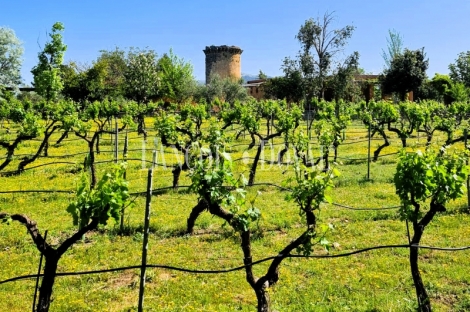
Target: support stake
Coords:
[(368, 157), (146, 238), (39, 272)]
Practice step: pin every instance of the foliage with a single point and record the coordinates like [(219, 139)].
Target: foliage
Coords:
[(177, 82), (142, 81), (299, 279), (394, 47), (11, 51), (225, 89), (319, 45), (443, 88), (311, 186), (460, 70), (423, 175), (407, 72), (213, 180), (103, 202), (106, 78), (183, 128), (342, 82), (288, 87), (309, 191), (47, 79), (419, 176), (23, 115), (458, 92)]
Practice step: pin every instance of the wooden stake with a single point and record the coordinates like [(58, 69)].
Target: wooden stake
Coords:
[(368, 157), (145, 242), (39, 272)]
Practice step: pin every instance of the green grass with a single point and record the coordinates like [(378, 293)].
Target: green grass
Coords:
[(374, 281)]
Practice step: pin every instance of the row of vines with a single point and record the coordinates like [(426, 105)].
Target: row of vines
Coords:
[(425, 181)]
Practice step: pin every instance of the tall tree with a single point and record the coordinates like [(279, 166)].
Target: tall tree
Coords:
[(288, 87), (11, 51), (394, 47), (341, 82), (47, 78), (142, 79), (74, 80), (177, 82), (224, 89), (106, 78), (319, 46), (407, 72), (460, 70)]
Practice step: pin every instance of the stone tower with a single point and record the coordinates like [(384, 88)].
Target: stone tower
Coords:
[(224, 61)]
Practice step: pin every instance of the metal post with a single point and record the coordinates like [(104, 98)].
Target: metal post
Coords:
[(154, 158), (468, 180), (124, 156), (146, 238), (116, 136), (144, 149), (368, 157), (308, 129)]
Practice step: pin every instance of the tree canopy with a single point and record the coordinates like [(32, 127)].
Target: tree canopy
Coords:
[(47, 79), (176, 78), (460, 70), (407, 72), (319, 45), (11, 51), (394, 47)]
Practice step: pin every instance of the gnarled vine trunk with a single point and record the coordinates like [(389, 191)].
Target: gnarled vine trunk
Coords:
[(45, 291), (379, 149), (195, 212), (44, 144), (424, 303), (52, 256)]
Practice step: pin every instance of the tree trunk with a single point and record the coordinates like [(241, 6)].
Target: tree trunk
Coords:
[(91, 163), (428, 139), (45, 291), (403, 140), (176, 176), (335, 146), (253, 141), (262, 297), (281, 154), (251, 179), (379, 149), (27, 160), (401, 134), (258, 285), (239, 134), (97, 144), (46, 149), (197, 210), (63, 136), (141, 126), (421, 294), (11, 149), (326, 157)]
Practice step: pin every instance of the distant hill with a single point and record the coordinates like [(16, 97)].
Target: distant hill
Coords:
[(248, 77)]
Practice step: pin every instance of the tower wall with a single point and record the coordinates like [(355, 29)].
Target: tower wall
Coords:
[(223, 61)]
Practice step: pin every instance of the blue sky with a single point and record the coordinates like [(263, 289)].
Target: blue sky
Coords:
[(265, 30)]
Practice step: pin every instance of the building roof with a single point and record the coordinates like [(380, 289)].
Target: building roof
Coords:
[(365, 77), (222, 48)]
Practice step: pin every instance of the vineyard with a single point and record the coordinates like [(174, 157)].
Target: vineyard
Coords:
[(256, 205)]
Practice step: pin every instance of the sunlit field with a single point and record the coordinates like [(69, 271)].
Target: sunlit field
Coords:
[(378, 280)]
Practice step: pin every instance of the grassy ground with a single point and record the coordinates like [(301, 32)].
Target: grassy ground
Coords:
[(374, 281)]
